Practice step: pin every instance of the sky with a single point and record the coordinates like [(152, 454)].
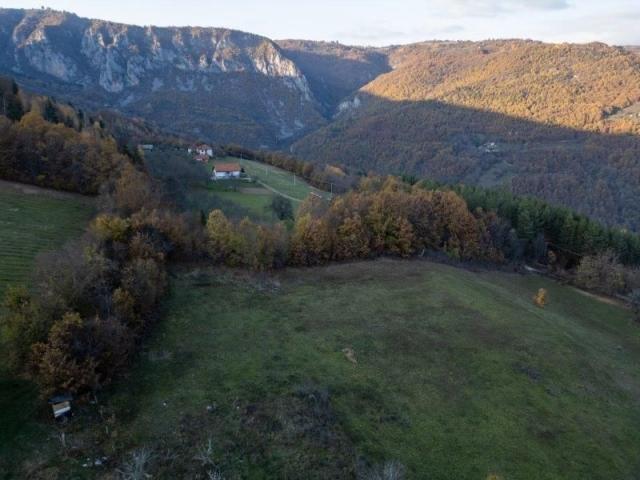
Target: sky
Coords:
[(379, 22)]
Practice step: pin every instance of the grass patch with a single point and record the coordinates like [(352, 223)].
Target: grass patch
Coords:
[(457, 375), (34, 223), (292, 186), (253, 200)]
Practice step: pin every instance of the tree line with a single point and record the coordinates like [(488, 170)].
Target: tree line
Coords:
[(53, 145), (93, 300), (538, 226)]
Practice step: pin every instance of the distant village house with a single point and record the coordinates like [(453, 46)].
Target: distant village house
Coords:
[(202, 150), (224, 171)]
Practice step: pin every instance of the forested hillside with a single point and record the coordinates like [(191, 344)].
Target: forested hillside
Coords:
[(568, 85), (49, 144), (536, 118)]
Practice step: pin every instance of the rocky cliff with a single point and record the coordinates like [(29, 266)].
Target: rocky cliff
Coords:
[(223, 85)]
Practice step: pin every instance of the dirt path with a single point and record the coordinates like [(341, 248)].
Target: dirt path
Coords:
[(6, 186), (602, 298)]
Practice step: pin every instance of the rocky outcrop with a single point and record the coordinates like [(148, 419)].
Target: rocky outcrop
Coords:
[(240, 78)]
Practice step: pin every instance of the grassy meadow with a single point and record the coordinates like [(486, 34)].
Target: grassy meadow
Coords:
[(35, 222), (291, 186), (319, 373)]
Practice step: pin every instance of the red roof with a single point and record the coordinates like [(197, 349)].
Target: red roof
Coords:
[(227, 167)]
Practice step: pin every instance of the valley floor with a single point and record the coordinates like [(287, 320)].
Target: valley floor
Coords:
[(319, 373)]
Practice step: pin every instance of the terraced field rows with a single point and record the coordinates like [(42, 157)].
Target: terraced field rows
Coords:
[(34, 223)]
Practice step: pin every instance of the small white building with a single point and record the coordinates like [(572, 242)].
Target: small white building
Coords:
[(224, 171), (201, 149)]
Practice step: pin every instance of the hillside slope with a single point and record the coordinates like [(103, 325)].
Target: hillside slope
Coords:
[(219, 84), (452, 373), (536, 118)]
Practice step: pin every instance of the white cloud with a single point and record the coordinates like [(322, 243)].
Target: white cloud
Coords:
[(472, 8)]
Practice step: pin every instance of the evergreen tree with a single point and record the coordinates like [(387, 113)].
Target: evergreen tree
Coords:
[(50, 113)]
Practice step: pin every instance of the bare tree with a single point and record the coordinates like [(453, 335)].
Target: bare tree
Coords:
[(204, 454), (390, 470), (137, 467)]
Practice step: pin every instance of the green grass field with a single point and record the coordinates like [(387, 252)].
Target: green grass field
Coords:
[(457, 375), (34, 223), (291, 186), (252, 200)]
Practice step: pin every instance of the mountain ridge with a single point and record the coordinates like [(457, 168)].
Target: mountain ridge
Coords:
[(138, 69), (564, 117)]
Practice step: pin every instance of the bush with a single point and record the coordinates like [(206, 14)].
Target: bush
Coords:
[(282, 207), (602, 272), (225, 245), (540, 299), (80, 356), (110, 228), (145, 280), (21, 325)]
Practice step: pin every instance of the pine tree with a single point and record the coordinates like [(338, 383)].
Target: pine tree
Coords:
[(50, 113)]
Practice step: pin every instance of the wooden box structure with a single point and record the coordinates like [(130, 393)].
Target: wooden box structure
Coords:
[(61, 405)]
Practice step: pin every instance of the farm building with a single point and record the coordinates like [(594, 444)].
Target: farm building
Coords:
[(223, 171), (202, 149)]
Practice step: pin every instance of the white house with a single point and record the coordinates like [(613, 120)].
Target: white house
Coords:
[(201, 149), (223, 171)]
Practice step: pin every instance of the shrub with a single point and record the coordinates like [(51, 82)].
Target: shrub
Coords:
[(282, 207), (540, 298), (80, 356), (602, 272), (225, 245), (145, 280), (21, 325), (110, 227)]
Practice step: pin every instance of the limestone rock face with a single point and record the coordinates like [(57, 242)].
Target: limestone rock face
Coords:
[(203, 81)]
